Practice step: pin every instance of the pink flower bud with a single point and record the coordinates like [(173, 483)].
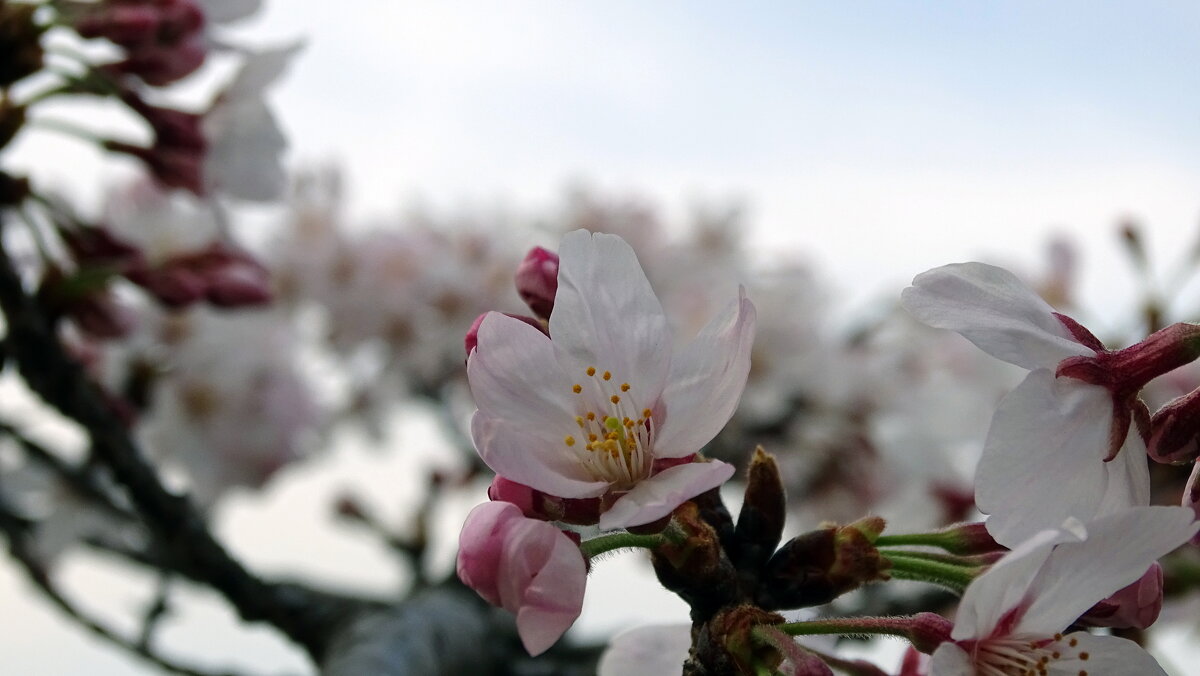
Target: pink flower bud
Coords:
[(1175, 430), (1191, 496), (528, 567), (173, 167), (1135, 606), (537, 280)]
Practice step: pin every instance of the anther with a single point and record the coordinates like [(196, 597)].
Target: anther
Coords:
[(577, 388), (645, 413), (615, 399), (607, 375), (569, 440), (591, 370), (624, 387)]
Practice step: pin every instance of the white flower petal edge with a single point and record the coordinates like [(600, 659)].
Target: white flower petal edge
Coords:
[(1043, 459), (658, 496), (1010, 618), (657, 650), (597, 273), (706, 381), (994, 310)]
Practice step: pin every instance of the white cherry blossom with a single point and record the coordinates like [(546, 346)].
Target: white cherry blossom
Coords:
[(586, 412), (1044, 458), (1011, 619)]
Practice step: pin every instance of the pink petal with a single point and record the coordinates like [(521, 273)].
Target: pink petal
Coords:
[(542, 578), (514, 376), (659, 495), (607, 316), (706, 381), (990, 307), (524, 458)]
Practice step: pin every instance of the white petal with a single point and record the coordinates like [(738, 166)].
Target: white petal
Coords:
[(706, 381), (647, 651), (1005, 586), (659, 495), (607, 316), (259, 71), (245, 152), (1043, 459), (990, 307), (514, 376), (951, 660), (1118, 550), (520, 457), (1107, 656)]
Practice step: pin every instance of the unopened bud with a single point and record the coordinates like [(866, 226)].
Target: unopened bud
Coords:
[(1191, 496), (1135, 606), (1175, 431), (538, 505), (817, 567), (760, 522), (537, 281), (968, 539), (928, 631)]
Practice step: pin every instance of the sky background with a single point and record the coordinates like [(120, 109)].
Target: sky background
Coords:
[(875, 139)]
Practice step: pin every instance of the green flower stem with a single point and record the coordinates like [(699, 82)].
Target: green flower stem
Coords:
[(908, 567), (850, 626), (923, 539), (949, 559), (607, 543)]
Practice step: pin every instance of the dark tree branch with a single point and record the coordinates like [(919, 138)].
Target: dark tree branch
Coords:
[(307, 617), (16, 531)]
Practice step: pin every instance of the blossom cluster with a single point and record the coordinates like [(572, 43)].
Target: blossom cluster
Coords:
[(594, 427)]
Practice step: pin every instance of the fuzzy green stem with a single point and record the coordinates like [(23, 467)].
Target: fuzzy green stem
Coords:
[(919, 539), (908, 567), (607, 543), (849, 626)]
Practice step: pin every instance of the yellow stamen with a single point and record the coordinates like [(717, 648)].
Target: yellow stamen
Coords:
[(569, 440), (607, 375), (591, 370), (577, 388), (624, 387), (615, 399)]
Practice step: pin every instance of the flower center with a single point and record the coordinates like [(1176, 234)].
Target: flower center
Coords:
[(1017, 655), (615, 435)]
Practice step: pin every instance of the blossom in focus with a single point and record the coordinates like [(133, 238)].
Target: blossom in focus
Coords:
[(528, 567), (1011, 618), (1044, 457), (595, 409)]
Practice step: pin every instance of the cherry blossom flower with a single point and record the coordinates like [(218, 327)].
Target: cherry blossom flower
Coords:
[(528, 567), (1011, 618), (1043, 459), (591, 410)]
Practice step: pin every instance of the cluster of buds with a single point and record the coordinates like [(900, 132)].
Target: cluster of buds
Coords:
[(164, 40)]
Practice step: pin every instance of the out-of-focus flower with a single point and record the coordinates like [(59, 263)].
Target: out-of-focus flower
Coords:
[(1044, 458), (245, 144), (656, 650), (1011, 618), (528, 567), (230, 416), (588, 411), (1191, 495)]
